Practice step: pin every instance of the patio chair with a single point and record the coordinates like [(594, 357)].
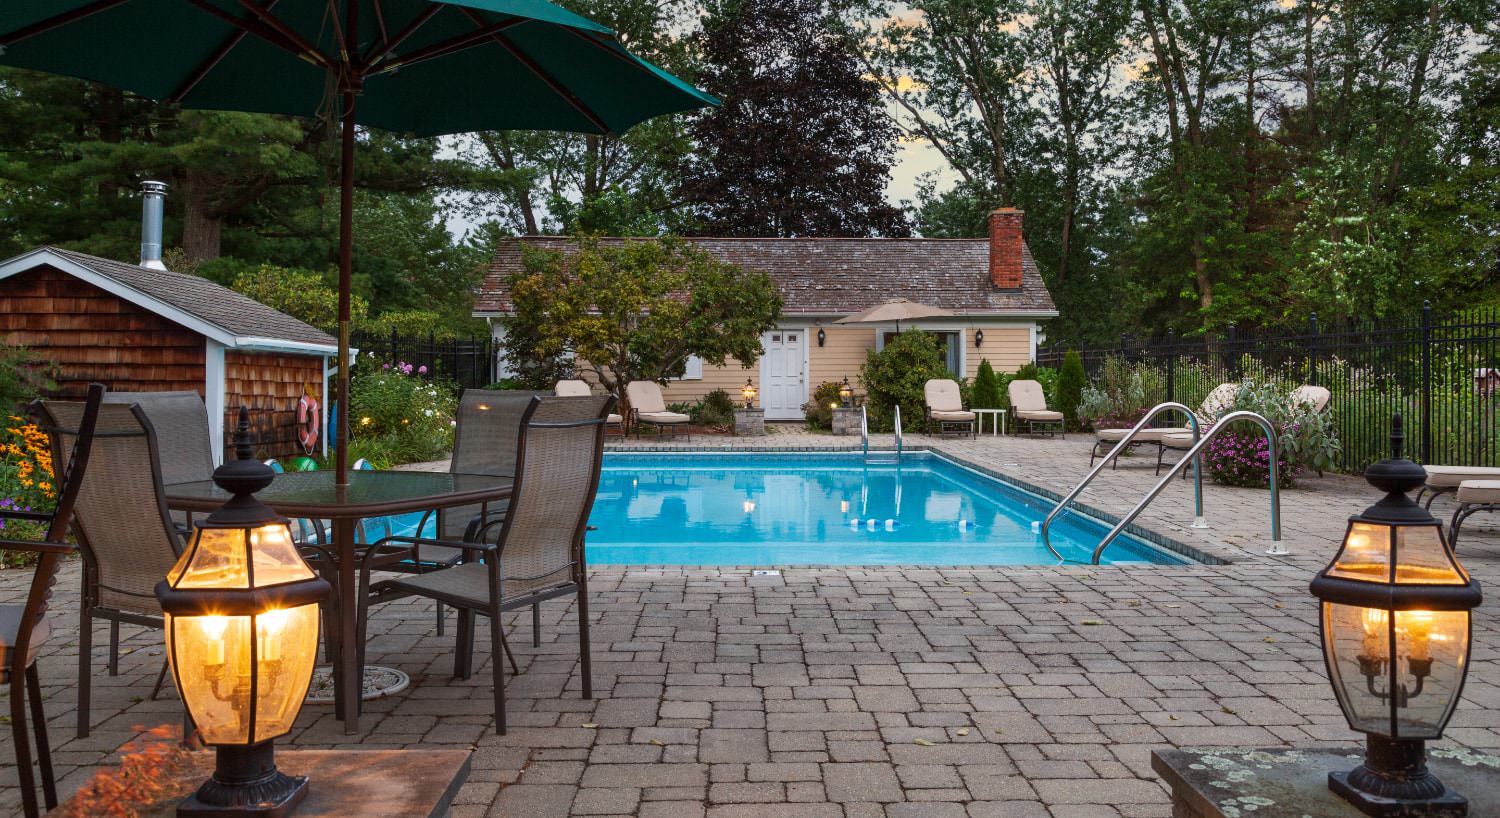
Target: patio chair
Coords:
[(24, 627), (120, 520), (1446, 480), (1316, 396), (1474, 496), (945, 407), (648, 406), (186, 451), (1220, 400), (1028, 403), (581, 389), (538, 554)]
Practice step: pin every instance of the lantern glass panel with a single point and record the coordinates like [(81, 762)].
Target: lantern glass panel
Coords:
[(216, 559), (1366, 554), (1424, 682), (210, 658), (1422, 559), (276, 557), (288, 646)]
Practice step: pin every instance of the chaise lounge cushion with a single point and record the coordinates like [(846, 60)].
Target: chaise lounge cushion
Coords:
[(953, 417), (1039, 414), (1147, 435), (943, 395), (1479, 492), (614, 418), (663, 417), (10, 627), (1447, 477)]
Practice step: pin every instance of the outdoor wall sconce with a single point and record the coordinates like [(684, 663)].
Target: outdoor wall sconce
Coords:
[(241, 623), (822, 336), (748, 391), (978, 338), (1396, 639), (846, 393)]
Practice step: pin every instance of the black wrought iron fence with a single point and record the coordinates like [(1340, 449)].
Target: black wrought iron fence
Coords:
[(468, 361), (1441, 375)]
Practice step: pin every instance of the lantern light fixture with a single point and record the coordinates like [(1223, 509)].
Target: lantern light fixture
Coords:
[(241, 622), (978, 338), (1395, 626), (846, 393), (748, 392), (822, 336)]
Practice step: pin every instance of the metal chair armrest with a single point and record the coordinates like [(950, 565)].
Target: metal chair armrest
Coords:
[(38, 546)]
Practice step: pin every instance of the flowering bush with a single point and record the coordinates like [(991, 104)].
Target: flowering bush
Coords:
[(1305, 439), (397, 415), (1120, 394)]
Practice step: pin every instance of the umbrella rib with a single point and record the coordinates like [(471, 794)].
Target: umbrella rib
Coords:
[(44, 26), (541, 74), (284, 30), (625, 58), (269, 35), (212, 62), (390, 44), (380, 20), (450, 46)]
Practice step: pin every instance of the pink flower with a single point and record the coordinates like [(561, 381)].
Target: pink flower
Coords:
[(385, 366), (421, 370)]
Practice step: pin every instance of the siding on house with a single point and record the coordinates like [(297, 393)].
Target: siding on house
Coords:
[(270, 384), (730, 378), (841, 356), (96, 336), (1008, 348)]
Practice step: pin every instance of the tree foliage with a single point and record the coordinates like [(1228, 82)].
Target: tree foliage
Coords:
[(896, 376), (638, 309), (984, 393), (801, 145)]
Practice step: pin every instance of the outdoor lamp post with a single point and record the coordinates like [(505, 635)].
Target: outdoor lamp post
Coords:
[(1395, 629), (241, 622), (846, 393), (748, 391)]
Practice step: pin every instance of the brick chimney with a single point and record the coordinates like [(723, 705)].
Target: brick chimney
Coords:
[(1005, 247)]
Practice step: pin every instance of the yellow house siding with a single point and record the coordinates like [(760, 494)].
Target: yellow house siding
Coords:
[(1008, 348), (841, 356), (730, 378)]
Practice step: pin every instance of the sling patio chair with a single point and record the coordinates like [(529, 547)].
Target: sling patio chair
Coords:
[(1029, 403), (648, 406), (538, 553), (581, 389), (120, 519), (184, 439), (24, 627), (1474, 496), (945, 408)]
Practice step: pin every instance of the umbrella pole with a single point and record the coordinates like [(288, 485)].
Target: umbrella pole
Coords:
[(346, 265)]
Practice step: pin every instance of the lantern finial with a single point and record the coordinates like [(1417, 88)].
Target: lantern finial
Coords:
[(243, 477), (243, 450), (1397, 476), (1397, 438)]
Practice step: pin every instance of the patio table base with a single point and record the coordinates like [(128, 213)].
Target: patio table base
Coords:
[(367, 783), (379, 682)]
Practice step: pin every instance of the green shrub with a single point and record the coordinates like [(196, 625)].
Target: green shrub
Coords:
[(985, 393), (396, 415), (1070, 382), (819, 410), (1120, 394), (895, 375), (24, 375), (1240, 456), (716, 409)]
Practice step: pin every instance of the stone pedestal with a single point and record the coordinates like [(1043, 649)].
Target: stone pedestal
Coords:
[(1281, 782), (846, 421), (341, 783), (749, 422)]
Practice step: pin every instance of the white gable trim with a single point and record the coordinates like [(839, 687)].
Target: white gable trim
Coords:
[(214, 332)]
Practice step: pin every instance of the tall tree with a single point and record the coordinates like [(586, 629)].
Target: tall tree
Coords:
[(802, 145)]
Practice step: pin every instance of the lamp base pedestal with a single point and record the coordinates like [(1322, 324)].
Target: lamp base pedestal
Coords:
[(1395, 781), (245, 784)]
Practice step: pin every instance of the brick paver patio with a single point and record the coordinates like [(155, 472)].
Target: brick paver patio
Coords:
[(863, 692)]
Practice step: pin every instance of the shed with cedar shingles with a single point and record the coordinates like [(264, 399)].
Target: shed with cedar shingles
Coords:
[(139, 329)]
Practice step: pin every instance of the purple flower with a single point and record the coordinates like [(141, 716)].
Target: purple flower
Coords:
[(385, 366), (421, 370)]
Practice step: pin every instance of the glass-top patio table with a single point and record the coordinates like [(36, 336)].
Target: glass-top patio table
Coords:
[(369, 494)]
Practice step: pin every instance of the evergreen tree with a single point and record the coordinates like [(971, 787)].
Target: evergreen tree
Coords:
[(802, 145), (1070, 383), (985, 392)]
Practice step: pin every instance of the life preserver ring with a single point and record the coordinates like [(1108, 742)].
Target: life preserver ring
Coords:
[(307, 422)]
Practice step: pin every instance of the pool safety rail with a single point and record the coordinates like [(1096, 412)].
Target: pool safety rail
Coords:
[(1188, 460), (864, 433)]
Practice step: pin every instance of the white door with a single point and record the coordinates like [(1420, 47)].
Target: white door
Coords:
[(783, 374)]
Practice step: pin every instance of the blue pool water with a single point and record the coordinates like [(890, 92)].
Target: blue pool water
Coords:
[(768, 510)]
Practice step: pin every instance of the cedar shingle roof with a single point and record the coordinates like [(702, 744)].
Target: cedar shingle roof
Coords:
[(236, 314), (837, 276)]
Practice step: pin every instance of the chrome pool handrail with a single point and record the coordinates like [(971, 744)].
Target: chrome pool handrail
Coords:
[(899, 437), (1115, 452), (864, 430), (1192, 454)]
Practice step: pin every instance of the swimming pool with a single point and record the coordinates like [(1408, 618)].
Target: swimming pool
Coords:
[(828, 509)]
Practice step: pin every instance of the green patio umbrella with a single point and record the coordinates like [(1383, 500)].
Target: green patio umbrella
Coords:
[(417, 66)]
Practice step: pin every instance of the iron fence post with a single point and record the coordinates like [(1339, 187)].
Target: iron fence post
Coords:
[(1312, 350), (1171, 365), (395, 359), (1426, 381)]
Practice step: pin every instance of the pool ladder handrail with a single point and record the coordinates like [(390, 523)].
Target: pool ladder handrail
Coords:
[(1276, 549), (899, 438), (864, 432), (1119, 449)]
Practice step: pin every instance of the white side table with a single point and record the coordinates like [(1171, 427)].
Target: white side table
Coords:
[(997, 420)]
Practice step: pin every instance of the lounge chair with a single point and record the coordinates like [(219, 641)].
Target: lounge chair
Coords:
[(1446, 480), (1317, 396), (945, 407), (24, 627), (539, 552), (1474, 496), (187, 453), (120, 519), (648, 406), (581, 389), (1219, 401), (1029, 403)]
